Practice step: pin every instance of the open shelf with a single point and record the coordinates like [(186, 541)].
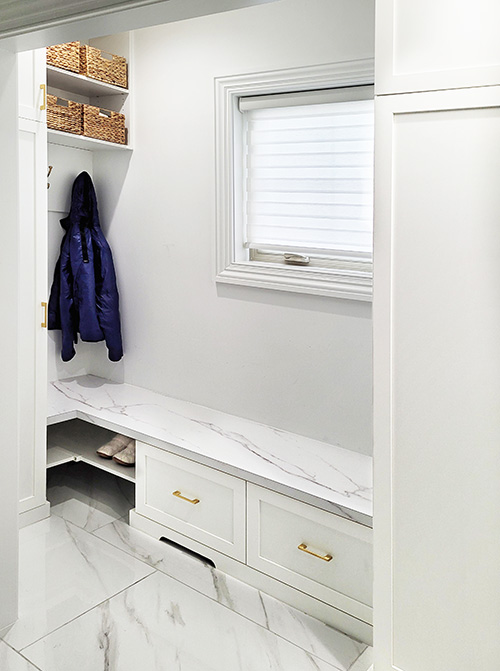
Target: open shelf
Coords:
[(78, 441), (82, 142), (71, 81)]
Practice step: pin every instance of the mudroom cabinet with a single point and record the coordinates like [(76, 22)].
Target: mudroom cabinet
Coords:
[(32, 132), (49, 161)]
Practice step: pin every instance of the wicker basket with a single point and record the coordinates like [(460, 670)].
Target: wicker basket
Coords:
[(104, 124), (103, 66), (64, 115), (65, 56)]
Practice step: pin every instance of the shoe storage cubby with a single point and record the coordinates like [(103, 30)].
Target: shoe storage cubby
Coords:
[(76, 440)]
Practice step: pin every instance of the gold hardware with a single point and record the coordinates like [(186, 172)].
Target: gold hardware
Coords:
[(179, 496), (49, 170), (43, 106), (44, 323), (303, 547)]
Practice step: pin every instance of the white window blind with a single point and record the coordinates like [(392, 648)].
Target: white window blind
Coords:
[(309, 172)]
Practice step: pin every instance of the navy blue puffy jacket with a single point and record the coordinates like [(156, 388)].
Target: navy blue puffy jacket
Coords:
[(84, 297)]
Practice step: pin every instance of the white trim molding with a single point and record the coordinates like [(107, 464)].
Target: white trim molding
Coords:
[(21, 16), (349, 281)]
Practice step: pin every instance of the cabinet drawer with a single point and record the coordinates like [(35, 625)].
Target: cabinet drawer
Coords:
[(283, 534), (195, 500)]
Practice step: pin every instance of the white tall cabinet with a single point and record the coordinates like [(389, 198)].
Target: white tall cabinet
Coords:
[(9, 342), (70, 154), (32, 216), (436, 337)]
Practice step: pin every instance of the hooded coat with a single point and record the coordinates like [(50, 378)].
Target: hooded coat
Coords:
[(84, 296)]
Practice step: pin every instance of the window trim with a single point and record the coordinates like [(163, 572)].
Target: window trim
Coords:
[(231, 267)]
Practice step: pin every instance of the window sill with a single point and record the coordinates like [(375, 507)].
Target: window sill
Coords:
[(354, 285)]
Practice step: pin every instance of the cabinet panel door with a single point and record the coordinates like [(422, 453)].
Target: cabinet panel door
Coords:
[(195, 500), (32, 292), (437, 390), (324, 555), (31, 78), (9, 264), (436, 44)]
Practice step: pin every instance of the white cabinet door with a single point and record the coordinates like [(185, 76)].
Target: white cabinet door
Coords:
[(200, 502), (9, 265), (324, 555), (32, 91), (32, 293), (436, 44), (437, 382)]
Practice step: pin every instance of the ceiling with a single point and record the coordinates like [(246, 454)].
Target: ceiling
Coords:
[(28, 24)]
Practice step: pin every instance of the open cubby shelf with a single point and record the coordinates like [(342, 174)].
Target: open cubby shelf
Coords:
[(76, 440)]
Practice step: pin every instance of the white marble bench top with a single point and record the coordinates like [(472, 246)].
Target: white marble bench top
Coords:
[(324, 475)]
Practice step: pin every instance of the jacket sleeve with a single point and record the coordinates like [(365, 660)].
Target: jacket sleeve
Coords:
[(54, 316), (108, 311), (61, 313), (67, 311)]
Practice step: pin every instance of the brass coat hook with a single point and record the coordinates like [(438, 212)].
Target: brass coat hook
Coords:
[(48, 174)]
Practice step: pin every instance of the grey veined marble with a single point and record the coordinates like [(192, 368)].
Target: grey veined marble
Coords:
[(161, 625), (79, 483), (116, 600), (64, 571), (310, 634), (10, 660), (325, 475)]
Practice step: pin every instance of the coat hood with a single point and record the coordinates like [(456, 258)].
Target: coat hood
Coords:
[(83, 204)]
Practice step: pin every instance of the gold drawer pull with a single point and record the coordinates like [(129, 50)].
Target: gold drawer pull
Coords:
[(44, 308), (303, 547), (179, 496)]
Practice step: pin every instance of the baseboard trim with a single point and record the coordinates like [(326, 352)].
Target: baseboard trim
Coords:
[(34, 515)]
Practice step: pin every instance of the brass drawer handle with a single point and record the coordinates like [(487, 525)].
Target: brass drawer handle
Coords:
[(303, 547), (44, 323), (184, 498)]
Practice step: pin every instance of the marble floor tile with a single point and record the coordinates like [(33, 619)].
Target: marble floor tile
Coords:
[(12, 661), (364, 661), (64, 571), (291, 624), (159, 624), (87, 496)]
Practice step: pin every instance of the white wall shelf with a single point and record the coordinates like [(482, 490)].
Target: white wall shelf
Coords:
[(85, 86), (82, 142), (78, 441)]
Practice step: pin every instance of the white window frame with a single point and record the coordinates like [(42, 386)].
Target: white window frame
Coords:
[(233, 265)]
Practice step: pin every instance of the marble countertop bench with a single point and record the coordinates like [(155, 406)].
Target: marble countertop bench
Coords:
[(324, 475)]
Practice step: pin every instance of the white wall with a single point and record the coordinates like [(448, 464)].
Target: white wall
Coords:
[(297, 362)]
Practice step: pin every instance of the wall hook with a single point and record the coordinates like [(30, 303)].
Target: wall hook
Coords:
[(48, 174)]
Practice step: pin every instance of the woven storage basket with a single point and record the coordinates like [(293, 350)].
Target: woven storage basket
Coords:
[(64, 115), (104, 124), (66, 56), (103, 66)]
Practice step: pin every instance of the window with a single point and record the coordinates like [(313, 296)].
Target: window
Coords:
[(295, 173)]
